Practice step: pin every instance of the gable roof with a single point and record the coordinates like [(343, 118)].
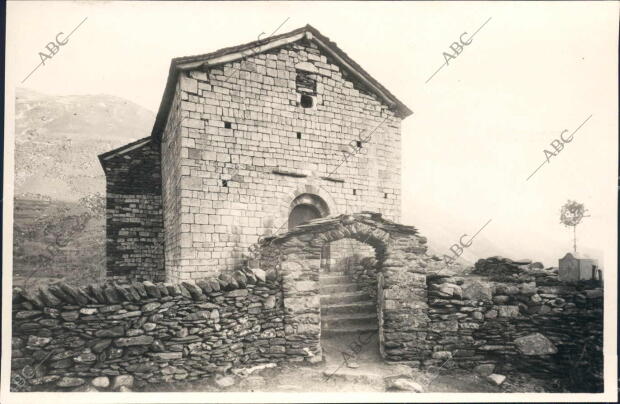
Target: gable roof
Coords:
[(227, 55), (119, 151)]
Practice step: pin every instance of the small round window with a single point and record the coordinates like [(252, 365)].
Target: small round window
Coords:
[(307, 101)]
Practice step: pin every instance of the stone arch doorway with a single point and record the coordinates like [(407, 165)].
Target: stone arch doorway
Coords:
[(306, 207), (401, 284)]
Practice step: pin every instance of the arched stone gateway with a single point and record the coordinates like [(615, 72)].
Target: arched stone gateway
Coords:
[(401, 284)]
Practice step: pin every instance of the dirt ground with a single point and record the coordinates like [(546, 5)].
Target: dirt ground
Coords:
[(367, 372), (294, 378)]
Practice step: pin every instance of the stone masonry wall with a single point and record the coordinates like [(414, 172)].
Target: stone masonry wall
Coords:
[(244, 124), (526, 320), (134, 223), (401, 280), (143, 332), (365, 272), (402, 293)]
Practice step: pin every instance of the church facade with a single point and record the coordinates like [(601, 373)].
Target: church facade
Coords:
[(250, 141)]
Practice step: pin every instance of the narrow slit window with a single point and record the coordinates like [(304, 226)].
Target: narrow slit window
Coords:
[(298, 135), (385, 195), (354, 191), (225, 183)]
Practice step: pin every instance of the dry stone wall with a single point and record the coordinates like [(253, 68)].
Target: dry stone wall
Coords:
[(517, 316), (402, 289), (365, 272), (503, 316), (69, 337)]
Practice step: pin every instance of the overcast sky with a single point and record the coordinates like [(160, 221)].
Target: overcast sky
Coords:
[(480, 125)]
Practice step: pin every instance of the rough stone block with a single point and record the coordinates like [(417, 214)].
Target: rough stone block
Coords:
[(477, 290), (189, 84), (133, 341), (508, 311), (535, 344)]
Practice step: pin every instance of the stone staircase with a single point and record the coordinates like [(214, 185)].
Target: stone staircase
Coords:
[(345, 308)]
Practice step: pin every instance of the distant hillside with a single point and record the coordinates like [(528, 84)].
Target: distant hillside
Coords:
[(57, 240), (58, 138), (59, 218)]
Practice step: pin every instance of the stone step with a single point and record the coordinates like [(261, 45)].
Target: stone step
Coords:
[(332, 273), (333, 279), (343, 321), (349, 308), (339, 288), (329, 332), (342, 298)]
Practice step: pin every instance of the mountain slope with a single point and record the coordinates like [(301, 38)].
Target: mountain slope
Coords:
[(58, 138)]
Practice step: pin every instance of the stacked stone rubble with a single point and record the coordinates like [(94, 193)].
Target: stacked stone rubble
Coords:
[(479, 319)]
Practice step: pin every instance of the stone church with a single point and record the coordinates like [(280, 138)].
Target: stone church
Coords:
[(250, 141)]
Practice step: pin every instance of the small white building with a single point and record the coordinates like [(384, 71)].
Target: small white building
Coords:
[(574, 268)]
